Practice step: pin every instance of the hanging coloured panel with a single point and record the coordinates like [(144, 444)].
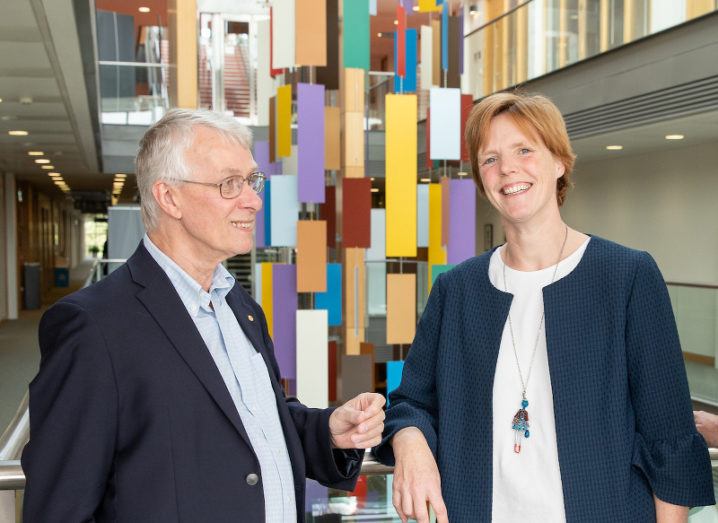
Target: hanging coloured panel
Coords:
[(422, 215), (284, 297), (332, 148), (311, 33), (284, 120), (400, 308), (311, 256), (436, 270), (264, 80), (377, 249), (283, 50), (393, 377), (329, 76), (267, 296), (284, 205), (407, 82), (331, 300), (356, 207), (437, 253), (310, 143), (354, 144), (445, 131), (312, 358), (429, 6), (401, 169), (356, 33), (354, 298), (467, 103), (445, 216), (427, 70), (462, 223)]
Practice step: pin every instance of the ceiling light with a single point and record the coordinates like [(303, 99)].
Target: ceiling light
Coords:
[(55, 175), (0, 100), (674, 137), (18, 133), (396, 22), (48, 167), (144, 9), (614, 147), (415, 8), (378, 35), (374, 189), (120, 175), (8, 117), (42, 160), (35, 153), (462, 173), (425, 180), (25, 100)]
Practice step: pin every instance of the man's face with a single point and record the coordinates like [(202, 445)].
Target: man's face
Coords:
[(217, 228)]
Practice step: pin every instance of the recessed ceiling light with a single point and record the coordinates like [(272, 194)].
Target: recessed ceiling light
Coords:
[(8, 117), (614, 147), (378, 35), (48, 167), (396, 22), (425, 180), (55, 175), (144, 9), (374, 189), (42, 160), (18, 133), (120, 174), (0, 100), (674, 137), (462, 173), (35, 153)]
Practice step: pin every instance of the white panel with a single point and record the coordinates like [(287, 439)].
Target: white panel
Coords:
[(377, 251), (283, 33), (372, 7), (666, 13), (376, 289), (289, 163), (313, 358), (445, 127), (284, 209), (537, 39), (427, 70), (422, 215), (258, 283), (264, 80)]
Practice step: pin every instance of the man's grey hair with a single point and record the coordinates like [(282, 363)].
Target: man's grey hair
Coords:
[(162, 151)]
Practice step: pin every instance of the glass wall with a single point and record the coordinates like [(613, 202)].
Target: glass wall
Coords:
[(540, 36)]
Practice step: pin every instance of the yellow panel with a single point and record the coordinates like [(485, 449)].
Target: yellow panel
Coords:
[(400, 308), (353, 171), (437, 252), (332, 130), (696, 8), (353, 90), (353, 339), (354, 288), (354, 139), (429, 6), (267, 292), (284, 121), (401, 172)]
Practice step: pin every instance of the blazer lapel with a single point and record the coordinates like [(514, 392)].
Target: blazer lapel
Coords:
[(162, 301)]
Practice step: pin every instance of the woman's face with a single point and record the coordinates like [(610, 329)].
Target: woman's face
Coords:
[(518, 172)]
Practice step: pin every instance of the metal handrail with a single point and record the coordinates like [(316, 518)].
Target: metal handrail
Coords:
[(17, 432)]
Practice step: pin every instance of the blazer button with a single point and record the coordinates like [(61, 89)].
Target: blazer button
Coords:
[(252, 479), (250, 317)]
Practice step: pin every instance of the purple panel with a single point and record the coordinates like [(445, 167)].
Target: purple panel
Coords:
[(274, 168), (314, 493), (259, 225), (462, 221), (461, 42), (310, 142), (408, 5), (284, 296)]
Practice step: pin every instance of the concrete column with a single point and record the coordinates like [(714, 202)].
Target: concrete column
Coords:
[(11, 246)]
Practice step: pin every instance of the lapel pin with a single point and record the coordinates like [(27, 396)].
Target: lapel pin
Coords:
[(250, 317)]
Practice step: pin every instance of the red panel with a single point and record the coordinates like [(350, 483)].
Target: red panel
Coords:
[(332, 371), (328, 213), (467, 103), (401, 41), (356, 212)]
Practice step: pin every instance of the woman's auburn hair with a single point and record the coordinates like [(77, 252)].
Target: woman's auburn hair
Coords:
[(535, 115)]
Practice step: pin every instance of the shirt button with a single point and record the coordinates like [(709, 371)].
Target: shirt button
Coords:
[(250, 317), (252, 479)]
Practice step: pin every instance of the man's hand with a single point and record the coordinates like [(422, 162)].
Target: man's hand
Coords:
[(358, 423), (707, 425), (416, 478)]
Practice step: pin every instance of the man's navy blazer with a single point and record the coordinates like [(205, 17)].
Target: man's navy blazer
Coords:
[(130, 419)]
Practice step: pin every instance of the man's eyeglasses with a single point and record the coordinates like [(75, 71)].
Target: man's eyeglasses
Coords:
[(232, 187)]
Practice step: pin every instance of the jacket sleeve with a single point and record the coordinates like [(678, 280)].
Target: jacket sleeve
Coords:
[(667, 448), (336, 468), (73, 420), (414, 402)]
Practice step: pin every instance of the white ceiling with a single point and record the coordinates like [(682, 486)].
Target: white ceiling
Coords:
[(40, 58), (697, 129)]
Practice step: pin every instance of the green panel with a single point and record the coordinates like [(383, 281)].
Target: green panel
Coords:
[(356, 34), (439, 269)]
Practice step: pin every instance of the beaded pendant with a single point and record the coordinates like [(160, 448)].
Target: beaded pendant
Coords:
[(520, 425)]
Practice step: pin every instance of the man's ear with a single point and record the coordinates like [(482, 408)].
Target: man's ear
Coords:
[(165, 196)]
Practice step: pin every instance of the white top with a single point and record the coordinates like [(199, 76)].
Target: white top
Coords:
[(527, 485)]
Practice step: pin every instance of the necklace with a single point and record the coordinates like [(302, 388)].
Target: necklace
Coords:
[(520, 422)]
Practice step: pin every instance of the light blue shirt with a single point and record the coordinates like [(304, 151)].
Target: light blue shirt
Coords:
[(246, 377)]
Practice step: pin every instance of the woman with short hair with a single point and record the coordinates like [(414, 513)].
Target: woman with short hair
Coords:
[(546, 381)]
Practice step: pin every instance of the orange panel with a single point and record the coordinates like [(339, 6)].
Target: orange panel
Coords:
[(311, 256), (310, 32), (332, 148), (400, 308)]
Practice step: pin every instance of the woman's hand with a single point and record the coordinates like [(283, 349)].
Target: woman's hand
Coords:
[(416, 478), (707, 425)]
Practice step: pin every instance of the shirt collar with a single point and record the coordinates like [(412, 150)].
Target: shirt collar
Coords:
[(191, 293)]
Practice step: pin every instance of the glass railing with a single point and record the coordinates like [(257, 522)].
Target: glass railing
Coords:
[(133, 93), (541, 36)]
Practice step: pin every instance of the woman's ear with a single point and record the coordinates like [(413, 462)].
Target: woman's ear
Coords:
[(166, 198)]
